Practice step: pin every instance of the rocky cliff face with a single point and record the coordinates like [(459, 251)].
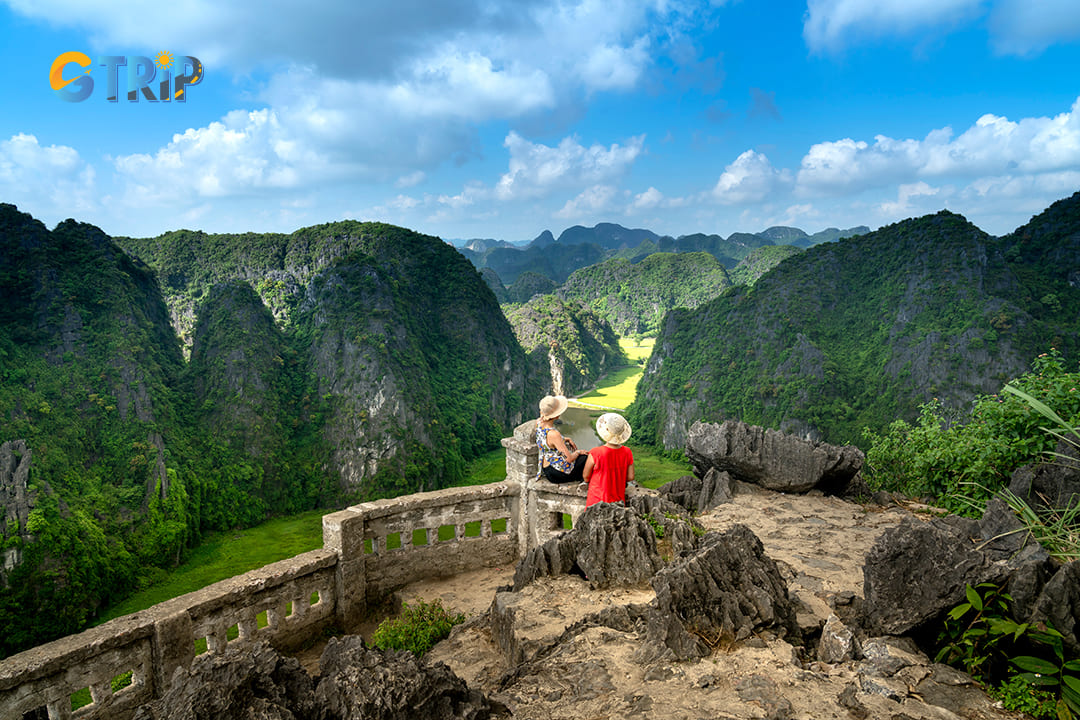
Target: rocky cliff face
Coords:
[(635, 297), (859, 332), (570, 340)]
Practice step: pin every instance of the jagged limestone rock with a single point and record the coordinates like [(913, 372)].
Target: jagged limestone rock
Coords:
[(837, 643), (360, 683), (1051, 485), (918, 570), (769, 458), (698, 494), (254, 682), (611, 545), (721, 594)]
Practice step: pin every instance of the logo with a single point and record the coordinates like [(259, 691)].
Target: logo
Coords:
[(134, 75)]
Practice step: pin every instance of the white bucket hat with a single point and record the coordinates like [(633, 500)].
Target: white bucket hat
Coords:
[(613, 428)]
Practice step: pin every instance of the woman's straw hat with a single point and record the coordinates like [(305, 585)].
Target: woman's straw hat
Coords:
[(552, 406), (613, 428)]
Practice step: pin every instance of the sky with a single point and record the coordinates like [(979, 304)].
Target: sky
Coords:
[(498, 119)]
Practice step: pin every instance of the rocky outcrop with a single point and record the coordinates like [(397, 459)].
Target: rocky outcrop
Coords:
[(718, 596), (611, 545), (1051, 485), (16, 500), (919, 570), (700, 494), (252, 683), (359, 683), (356, 683), (771, 459)]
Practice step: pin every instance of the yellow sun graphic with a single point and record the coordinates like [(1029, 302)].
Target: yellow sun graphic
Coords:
[(163, 59)]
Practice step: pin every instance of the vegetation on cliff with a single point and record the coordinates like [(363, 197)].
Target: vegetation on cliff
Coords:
[(860, 332), (574, 344), (635, 297), (344, 360)]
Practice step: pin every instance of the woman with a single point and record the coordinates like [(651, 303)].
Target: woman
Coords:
[(611, 466), (560, 459)]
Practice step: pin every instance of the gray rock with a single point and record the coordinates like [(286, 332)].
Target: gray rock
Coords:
[(360, 683), (1049, 485), (718, 596), (254, 683), (611, 545), (700, 494), (919, 570), (1059, 605), (837, 643), (771, 459)]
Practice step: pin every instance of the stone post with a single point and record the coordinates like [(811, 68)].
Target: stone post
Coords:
[(172, 648), (343, 532), (522, 463)]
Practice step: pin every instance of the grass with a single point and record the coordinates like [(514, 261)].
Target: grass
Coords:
[(617, 389), (651, 469), (224, 555)]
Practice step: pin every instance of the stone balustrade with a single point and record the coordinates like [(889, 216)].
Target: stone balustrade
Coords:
[(369, 550)]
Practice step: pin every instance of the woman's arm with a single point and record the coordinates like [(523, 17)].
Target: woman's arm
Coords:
[(555, 440)]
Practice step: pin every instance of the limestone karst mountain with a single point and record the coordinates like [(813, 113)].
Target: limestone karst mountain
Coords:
[(345, 360), (859, 332)]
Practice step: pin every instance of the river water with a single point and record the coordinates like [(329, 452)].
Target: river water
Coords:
[(578, 424)]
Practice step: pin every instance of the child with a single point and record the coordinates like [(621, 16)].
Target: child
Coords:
[(611, 466)]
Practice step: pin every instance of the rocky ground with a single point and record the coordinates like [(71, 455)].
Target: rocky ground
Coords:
[(577, 672)]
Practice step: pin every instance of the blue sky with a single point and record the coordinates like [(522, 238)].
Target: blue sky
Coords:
[(488, 118)]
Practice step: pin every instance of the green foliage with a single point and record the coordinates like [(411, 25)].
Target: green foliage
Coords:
[(982, 637), (1055, 674), (635, 297), (1018, 695), (978, 632), (962, 464), (417, 628), (547, 325), (761, 261), (657, 526)]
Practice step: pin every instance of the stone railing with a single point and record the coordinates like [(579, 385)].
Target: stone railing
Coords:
[(369, 550)]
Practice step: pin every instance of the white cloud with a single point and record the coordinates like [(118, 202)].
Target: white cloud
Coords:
[(610, 67), (536, 170), (597, 199), (903, 206), (1023, 26), (411, 180), (1016, 26), (833, 24), (243, 153), (750, 179), (47, 181), (648, 200), (992, 146)]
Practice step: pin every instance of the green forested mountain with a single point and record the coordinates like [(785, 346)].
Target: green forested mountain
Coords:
[(635, 297), (340, 361), (569, 340), (859, 332), (759, 262)]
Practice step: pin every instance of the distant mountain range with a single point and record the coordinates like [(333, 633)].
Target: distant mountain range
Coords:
[(578, 246)]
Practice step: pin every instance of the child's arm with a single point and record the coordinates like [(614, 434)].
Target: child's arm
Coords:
[(586, 472)]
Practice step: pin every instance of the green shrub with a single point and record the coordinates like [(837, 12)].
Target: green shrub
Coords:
[(417, 628), (942, 458), (1019, 695)]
